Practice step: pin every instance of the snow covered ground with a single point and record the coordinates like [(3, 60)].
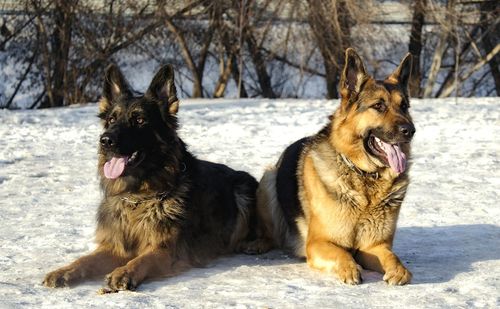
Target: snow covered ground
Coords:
[(448, 235)]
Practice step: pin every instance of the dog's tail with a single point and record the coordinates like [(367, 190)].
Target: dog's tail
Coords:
[(244, 189)]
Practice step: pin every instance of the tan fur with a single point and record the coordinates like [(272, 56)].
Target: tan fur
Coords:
[(103, 105), (131, 246), (350, 212), (348, 217), (135, 229)]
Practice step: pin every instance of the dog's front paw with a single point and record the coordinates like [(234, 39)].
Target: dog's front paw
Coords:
[(258, 246), (59, 278), (397, 275), (348, 272), (121, 279)]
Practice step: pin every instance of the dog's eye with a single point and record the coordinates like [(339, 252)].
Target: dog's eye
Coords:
[(404, 106), (139, 120), (379, 107), (111, 120)]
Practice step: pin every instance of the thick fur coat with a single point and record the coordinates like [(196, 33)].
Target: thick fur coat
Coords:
[(163, 210), (334, 197)]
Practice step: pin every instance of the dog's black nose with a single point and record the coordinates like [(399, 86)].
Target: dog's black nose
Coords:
[(407, 129), (107, 141)]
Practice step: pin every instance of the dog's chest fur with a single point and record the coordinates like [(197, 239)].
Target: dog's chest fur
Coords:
[(131, 223), (354, 211)]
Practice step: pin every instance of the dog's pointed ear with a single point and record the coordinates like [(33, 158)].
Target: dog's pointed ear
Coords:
[(115, 86), (353, 76), (403, 72), (162, 89)]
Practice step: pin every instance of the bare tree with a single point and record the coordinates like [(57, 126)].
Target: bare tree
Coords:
[(228, 50), (270, 48), (255, 48), (196, 69), (490, 28), (466, 44), (416, 45), (442, 44), (331, 22), (461, 78), (64, 15)]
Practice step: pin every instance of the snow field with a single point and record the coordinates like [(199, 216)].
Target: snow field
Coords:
[(448, 233)]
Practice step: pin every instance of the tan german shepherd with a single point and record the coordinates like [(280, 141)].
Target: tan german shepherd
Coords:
[(334, 197)]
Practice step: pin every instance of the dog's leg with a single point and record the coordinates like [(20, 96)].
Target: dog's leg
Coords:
[(157, 262), (326, 256), (381, 259), (99, 262)]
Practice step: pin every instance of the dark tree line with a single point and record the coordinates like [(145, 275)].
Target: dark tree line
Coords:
[(260, 48)]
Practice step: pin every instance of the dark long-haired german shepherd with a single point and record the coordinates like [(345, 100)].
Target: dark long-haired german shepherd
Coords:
[(163, 210), (334, 197)]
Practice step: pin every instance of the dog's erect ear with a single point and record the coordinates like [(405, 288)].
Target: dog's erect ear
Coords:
[(403, 72), (115, 86), (353, 76), (162, 89)]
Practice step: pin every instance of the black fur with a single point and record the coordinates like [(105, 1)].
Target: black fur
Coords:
[(209, 206), (287, 183), (163, 210)]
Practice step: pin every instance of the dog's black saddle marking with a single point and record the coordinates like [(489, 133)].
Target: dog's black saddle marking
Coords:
[(287, 183)]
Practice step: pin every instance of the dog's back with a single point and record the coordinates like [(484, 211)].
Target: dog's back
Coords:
[(221, 210)]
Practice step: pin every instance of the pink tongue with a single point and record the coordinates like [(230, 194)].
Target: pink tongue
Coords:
[(396, 158), (114, 167)]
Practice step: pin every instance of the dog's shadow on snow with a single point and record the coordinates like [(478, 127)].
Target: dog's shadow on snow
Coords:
[(223, 265), (432, 254), (438, 254)]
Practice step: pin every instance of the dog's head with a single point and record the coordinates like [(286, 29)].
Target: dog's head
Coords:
[(139, 130), (372, 126)]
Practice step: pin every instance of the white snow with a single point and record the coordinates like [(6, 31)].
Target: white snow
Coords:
[(448, 234)]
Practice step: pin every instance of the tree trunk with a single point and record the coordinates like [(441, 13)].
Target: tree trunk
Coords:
[(330, 22), (260, 66), (332, 80), (220, 88), (491, 34), (415, 47), (61, 43), (450, 76), (215, 15), (231, 45), (441, 47), (436, 64), (56, 60), (186, 54), (236, 76)]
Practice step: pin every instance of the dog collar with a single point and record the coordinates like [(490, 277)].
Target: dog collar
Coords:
[(160, 197), (357, 170)]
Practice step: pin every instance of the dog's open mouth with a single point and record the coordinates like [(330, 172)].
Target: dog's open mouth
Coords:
[(390, 154), (115, 167)]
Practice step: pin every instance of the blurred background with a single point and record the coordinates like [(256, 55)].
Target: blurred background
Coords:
[(53, 53)]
